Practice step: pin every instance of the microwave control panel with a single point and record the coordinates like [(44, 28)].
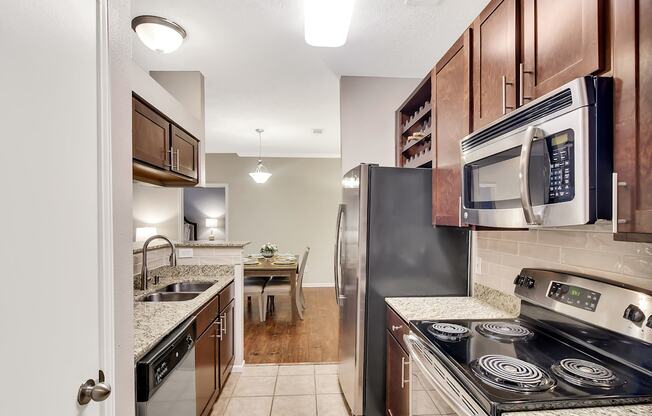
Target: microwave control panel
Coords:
[(562, 167)]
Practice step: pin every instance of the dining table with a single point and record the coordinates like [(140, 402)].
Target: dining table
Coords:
[(275, 267)]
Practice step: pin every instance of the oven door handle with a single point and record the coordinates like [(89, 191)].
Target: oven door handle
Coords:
[(415, 358), (531, 134)]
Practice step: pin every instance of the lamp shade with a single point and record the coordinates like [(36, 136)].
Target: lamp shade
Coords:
[(143, 233), (211, 222), (158, 34)]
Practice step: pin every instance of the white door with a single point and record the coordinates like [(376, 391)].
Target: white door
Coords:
[(50, 252)]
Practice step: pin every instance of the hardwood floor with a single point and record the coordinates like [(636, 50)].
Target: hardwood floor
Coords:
[(279, 340)]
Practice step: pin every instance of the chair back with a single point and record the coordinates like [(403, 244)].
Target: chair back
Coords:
[(302, 268)]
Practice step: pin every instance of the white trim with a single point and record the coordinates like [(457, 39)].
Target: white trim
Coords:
[(329, 284), (105, 207)]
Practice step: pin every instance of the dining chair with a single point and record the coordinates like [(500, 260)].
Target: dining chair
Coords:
[(253, 288), (281, 287)]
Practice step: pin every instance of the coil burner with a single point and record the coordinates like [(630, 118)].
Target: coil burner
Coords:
[(511, 374), (584, 373), (449, 332), (504, 331)]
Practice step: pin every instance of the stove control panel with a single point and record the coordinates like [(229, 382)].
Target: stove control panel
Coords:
[(574, 296)]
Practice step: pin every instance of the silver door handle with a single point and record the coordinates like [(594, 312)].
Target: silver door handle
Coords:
[(614, 203), (90, 390), (336, 256), (504, 87), (396, 327), (177, 153), (403, 380), (171, 164), (531, 134), (222, 319), (218, 325), (521, 84)]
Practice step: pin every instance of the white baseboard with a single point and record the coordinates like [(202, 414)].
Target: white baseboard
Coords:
[(238, 368), (329, 284)]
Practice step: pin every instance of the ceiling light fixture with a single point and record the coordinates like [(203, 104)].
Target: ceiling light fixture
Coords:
[(327, 22), (158, 33), (260, 175)]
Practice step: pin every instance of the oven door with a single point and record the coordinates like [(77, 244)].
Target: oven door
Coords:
[(433, 391), (535, 176)]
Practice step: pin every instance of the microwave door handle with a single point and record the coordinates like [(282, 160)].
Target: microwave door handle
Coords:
[(531, 134)]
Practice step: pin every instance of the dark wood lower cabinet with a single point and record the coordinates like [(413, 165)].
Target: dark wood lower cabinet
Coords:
[(227, 343), (206, 363), (398, 391)]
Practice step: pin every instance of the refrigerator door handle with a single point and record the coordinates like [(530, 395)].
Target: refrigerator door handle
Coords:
[(336, 261)]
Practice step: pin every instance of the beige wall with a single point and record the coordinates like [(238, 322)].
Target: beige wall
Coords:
[(367, 107), (498, 256), (295, 208), (155, 206)]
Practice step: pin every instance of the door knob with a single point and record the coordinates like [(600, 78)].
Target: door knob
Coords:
[(91, 390)]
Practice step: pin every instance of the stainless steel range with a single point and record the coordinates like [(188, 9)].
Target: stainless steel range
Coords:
[(578, 342)]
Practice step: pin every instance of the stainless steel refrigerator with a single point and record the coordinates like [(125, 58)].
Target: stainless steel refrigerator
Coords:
[(386, 246)]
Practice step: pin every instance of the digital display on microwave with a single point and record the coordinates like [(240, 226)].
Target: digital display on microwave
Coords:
[(559, 139)]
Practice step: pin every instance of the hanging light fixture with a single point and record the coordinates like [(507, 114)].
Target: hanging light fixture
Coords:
[(158, 33), (260, 175)]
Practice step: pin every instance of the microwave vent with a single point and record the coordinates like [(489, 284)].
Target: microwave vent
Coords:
[(528, 115)]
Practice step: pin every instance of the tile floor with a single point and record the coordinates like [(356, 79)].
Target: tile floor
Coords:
[(285, 390)]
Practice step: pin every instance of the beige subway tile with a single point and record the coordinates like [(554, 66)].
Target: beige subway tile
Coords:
[(489, 234), (502, 246), (605, 242), (637, 266), (538, 251), (528, 236), (188, 261), (599, 260), (563, 238), (522, 262), (488, 256)]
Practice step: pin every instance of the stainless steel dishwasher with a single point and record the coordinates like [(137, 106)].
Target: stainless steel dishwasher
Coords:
[(165, 377)]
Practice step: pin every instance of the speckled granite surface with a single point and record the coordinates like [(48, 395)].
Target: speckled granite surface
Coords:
[(446, 308), (154, 320), (498, 299), (633, 410), (138, 247)]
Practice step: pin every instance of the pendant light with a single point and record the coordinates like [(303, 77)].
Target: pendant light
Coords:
[(260, 175)]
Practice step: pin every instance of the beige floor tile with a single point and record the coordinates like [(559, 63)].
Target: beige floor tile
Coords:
[(249, 406), (259, 371), (326, 369), (295, 385), (294, 406), (229, 387), (296, 370), (255, 386), (331, 405), (219, 408), (327, 384)]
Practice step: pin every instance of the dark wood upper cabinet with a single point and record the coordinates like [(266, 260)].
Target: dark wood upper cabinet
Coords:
[(451, 95), (164, 154), (632, 71), (205, 369), (185, 151), (153, 136), (495, 46), (397, 369), (227, 342), (561, 42)]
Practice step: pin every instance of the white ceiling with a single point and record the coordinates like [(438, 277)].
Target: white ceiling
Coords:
[(259, 72)]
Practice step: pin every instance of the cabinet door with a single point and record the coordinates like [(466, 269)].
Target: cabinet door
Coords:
[(150, 137), (205, 367), (227, 343), (451, 89), (632, 70), (185, 149), (397, 380), (561, 41), (494, 62)]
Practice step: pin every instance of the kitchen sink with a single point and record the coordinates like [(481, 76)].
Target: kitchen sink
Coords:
[(186, 287), (169, 296)]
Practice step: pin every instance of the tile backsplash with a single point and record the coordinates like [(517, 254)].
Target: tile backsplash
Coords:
[(498, 256)]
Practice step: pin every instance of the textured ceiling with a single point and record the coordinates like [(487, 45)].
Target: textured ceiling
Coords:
[(260, 73)]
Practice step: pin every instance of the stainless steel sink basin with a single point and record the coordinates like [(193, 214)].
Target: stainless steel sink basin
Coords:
[(169, 296), (186, 287)]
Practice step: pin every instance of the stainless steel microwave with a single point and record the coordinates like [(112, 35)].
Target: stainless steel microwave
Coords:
[(546, 164)]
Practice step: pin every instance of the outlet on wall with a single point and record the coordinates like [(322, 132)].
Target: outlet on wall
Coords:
[(184, 252)]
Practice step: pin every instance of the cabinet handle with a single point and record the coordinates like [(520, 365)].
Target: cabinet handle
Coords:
[(396, 327), (176, 152), (222, 319), (614, 203), (521, 86), (219, 329), (171, 164), (403, 380), (505, 84)]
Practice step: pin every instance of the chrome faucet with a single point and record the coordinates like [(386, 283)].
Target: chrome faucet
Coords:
[(144, 271)]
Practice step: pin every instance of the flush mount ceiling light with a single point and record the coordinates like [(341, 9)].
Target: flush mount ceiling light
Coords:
[(260, 175), (327, 22), (158, 33)]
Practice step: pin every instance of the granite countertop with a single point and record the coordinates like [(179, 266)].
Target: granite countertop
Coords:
[(488, 303), (154, 320), (138, 246)]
